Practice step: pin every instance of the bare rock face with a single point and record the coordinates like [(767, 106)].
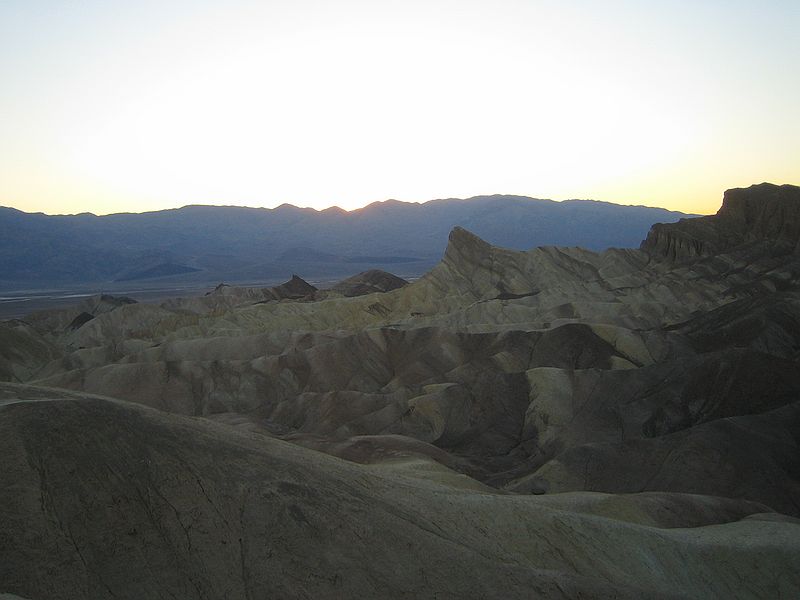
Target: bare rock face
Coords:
[(71, 319), (106, 303), (464, 248), (23, 351), (369, 282), (294, 289), (228, 297), (558, 420), (111, 499), (80, 321), (764, 213)]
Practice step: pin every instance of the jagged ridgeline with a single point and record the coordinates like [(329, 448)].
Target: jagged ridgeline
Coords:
[(202, 244), (551, 423)]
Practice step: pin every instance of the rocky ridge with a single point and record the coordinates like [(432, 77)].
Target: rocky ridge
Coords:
[(656, 387), (758, 214), (125, 501), (196, 245)]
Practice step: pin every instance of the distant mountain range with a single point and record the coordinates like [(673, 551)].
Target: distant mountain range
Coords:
[(551, 424), (216, 243)]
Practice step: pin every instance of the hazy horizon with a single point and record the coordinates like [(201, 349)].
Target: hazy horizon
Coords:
[(349, 210), (119, 107)]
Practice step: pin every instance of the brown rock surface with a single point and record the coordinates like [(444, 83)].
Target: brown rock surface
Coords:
[(630, 390), (111, 499), (760, 213), (368, 282)]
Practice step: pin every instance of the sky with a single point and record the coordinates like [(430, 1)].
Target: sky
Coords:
[(112, 106)]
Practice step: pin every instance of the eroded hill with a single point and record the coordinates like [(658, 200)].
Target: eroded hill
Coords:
[(658, 387), (202, 244)]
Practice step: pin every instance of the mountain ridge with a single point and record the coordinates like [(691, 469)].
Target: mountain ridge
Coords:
[(208, 244), (761, 212), (288, 206), (554, 421)]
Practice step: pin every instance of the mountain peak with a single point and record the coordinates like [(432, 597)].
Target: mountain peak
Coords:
[(462, 237), (763, 210), (462, 243), (759, 213)]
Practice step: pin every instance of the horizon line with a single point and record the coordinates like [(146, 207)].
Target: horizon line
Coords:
[(337, 208)]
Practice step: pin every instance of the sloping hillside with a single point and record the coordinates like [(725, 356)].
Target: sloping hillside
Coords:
[(216, 243), (555, 423)]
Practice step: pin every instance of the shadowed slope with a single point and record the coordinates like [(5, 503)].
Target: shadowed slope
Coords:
[(657, 388), (507, 361), (114, 500), (212, 243)]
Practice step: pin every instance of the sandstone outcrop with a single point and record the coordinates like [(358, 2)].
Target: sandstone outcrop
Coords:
[(368, 282), (763, 213), (111, 499), (629, 391)]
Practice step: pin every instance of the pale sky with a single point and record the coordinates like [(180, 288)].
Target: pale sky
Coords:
[(130, 106)]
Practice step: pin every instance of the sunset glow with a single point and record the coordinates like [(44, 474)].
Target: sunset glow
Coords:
[(111, 107)]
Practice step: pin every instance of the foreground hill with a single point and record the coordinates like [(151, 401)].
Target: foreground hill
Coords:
[(554, 423), (106, 499), (213, 243)]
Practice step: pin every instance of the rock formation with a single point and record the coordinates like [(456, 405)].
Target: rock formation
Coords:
[(764, 213), (368, 282), (201, 244), (555, 423)]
